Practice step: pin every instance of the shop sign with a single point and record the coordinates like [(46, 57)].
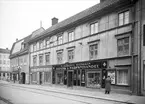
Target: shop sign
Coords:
[(83, 65)]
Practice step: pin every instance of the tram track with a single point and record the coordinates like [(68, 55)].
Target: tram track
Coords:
[(54, 94)]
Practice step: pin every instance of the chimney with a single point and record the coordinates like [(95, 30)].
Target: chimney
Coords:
[(6, 48), (54, 21), (102, 1), (16, 39)]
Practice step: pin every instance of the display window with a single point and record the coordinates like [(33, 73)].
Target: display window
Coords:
[(112, 75), (59, 78), (94, 79)]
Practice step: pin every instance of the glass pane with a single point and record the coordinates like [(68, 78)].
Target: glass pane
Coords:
[(126, 17), (92, 28), (120, 48), (96, 27), (73, 36), (126, 40)]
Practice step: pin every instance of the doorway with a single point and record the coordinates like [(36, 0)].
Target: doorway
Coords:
[(23, 75), (40, 77), (70, 78)]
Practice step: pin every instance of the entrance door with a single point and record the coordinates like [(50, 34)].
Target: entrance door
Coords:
[(70, 79), (40, 76), (23, 77)]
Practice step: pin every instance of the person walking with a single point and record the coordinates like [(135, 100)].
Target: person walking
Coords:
[(107, 85)]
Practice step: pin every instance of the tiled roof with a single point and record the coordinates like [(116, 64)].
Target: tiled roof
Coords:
[(4, 50), (81, 15)]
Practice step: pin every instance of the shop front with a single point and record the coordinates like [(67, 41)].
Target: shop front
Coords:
[(85, 74)]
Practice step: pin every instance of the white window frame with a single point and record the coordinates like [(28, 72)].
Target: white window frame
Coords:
[(71, 36), (60, 39), (71, 55), (122, 18), (127, 80), (59, 57), (47, 54), (94, 27)]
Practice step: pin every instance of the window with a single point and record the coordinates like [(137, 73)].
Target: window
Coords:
[(47, 42), (59, 57), (41, 44), (4, 61), (47, 76), (34, 47), (34, 76), (93, 51), (60, 39), (34, 60), (71, 36), (123, 18), (94, 28), (123, 46), (47, 58), (41, 59), (70, 55), (122, 77)]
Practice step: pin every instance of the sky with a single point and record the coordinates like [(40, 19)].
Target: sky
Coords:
[(19, 18)]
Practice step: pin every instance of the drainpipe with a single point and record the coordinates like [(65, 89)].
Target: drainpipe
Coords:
[(140, 41)]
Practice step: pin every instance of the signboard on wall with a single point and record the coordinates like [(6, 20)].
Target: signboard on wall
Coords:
[(111, 73)]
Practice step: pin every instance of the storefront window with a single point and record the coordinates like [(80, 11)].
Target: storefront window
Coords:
[(122, 77), (83, 78), (59, 78), (47, 76), (93, 79), (111, 73)]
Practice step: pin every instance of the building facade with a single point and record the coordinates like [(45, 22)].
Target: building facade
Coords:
[(106, 39), (5, 72), (19, 59)]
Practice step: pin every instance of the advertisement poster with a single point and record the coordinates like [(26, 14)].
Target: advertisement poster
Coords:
[(112, 76)]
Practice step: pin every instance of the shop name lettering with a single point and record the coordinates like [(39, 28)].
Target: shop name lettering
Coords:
[(79, 66)]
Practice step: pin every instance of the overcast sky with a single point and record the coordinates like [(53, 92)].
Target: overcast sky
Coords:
[(19, 18)]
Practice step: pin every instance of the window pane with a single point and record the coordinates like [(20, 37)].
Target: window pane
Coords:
[(92, 28), (120, 19), (122, 77), (126, 17), (96, 27), (73, 36)]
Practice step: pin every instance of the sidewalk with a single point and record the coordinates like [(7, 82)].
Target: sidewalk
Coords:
[(91, 93)]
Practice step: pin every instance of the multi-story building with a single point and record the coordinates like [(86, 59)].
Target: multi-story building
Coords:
[(19, 60), (106, 39), (4, 64)]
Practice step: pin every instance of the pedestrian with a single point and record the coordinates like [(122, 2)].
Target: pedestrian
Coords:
[(107, 85)]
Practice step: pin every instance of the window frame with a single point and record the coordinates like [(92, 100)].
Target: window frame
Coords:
[(128, 76), (47, 54), (94, 30), (41, 63), (70, 55), (124, 17), (60, 39), (59, 56), (70, 32), (35, 63)]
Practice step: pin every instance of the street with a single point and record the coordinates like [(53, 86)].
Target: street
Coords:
[(22, 95)]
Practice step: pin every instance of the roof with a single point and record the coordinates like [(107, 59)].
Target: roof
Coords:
[(80, 16), (16, 48), (4, 50)]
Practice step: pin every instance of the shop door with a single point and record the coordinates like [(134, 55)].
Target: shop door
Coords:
[(70, 79), (23, 77), (40, 76)]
